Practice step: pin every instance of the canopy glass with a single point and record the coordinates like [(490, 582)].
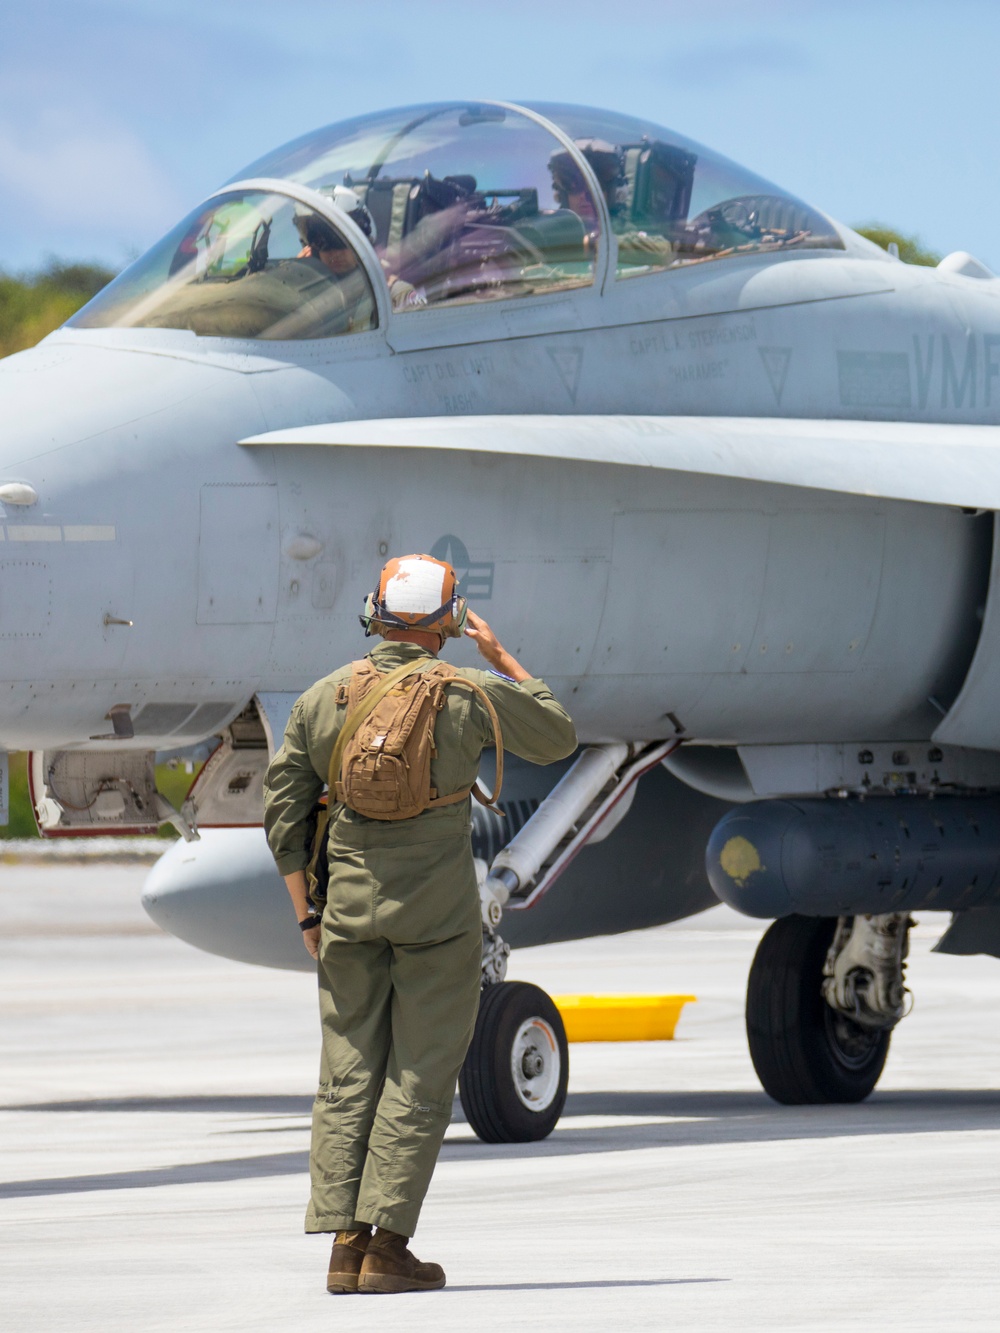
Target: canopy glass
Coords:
[(241, 266), (673, 202), (462, 203)]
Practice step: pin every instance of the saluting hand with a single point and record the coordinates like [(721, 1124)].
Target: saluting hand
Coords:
[(492, 649)]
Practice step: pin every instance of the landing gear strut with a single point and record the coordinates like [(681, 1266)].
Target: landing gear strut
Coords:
[(513, 1082), (823, 997)]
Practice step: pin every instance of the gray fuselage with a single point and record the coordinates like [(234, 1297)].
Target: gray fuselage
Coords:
[(750, 612)]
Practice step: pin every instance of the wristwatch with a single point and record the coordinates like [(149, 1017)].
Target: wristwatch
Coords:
[(311, 922)]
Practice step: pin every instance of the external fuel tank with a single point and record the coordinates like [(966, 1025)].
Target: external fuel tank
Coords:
[(838, 857)]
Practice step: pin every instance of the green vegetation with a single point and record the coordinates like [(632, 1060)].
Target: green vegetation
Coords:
[(911, 248), (174, 781), (22, 821), (33, 304)]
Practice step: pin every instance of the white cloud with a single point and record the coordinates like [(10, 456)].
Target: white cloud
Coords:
[(63, 170)]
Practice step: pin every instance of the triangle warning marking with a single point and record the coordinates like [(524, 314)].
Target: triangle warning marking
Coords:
[(568, 361), (776, 361)]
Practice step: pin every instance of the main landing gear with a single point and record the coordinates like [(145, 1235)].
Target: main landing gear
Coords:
[(823, 997)]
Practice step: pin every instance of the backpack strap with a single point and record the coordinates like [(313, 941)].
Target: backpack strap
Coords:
[(366, 707), (490, 802)]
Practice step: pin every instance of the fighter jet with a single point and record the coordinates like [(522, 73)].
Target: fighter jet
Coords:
[(720, 470)]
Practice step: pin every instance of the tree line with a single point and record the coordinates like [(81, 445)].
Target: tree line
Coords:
[(33, 304)]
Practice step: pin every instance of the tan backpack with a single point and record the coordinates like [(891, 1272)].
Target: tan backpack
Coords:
[(381, 762)]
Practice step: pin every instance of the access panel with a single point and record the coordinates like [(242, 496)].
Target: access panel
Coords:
[(238, 554)]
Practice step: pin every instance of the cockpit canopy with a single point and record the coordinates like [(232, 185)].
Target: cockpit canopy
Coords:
[(674, 203), (448, 204)]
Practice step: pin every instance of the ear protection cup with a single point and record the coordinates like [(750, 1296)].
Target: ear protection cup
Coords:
[(368, 615), (455, 627)]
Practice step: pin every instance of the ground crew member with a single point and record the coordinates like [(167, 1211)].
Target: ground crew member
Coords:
[(399, 941)]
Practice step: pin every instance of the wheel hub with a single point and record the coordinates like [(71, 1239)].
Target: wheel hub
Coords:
[(532, 1062), (850, 1044), (535, 1064)]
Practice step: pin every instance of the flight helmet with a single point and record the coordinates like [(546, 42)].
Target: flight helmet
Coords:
[(416, 592), (317, 233), (604, 159), (348, 202)]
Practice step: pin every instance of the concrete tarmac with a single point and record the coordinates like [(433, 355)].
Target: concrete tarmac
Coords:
[(155, 1133)]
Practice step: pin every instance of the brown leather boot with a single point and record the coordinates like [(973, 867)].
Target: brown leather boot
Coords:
[(389, 1266), (346, 1259)]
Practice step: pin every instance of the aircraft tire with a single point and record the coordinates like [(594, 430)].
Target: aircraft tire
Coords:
[(514, 1080), (803, 1051)]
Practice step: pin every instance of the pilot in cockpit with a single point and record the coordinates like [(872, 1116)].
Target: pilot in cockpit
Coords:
[(321, 242), (635, 246)]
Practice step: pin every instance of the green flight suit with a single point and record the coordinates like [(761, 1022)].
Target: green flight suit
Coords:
[(400, 949), (643, 250)]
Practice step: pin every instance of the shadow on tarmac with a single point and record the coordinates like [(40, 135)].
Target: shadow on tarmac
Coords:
[(717, 1118), (685, 1119), (668, 1104), (586, 1286), (252, 1104), (193, 1173)]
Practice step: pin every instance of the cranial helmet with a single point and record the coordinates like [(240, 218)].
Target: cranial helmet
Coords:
[(319, 234), (604, 159), (348, 202), (416, 592)]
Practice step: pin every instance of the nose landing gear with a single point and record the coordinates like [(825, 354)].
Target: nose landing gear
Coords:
[(513, 1083)]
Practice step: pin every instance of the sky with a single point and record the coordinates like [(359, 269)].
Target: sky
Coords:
[(118, 116)]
